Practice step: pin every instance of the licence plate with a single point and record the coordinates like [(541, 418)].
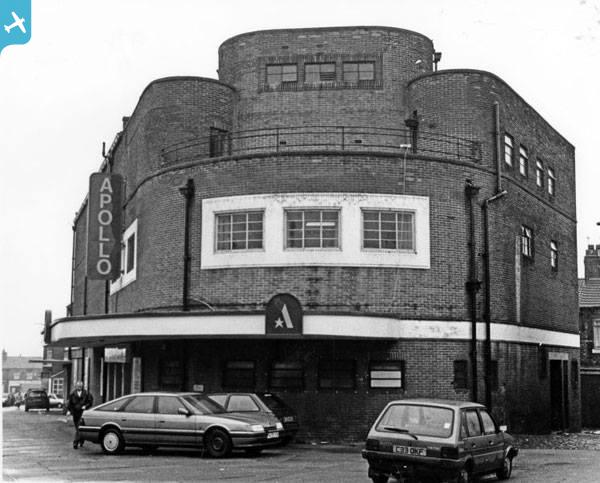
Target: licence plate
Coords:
[(272, 435), (409, 450), (288, 419)]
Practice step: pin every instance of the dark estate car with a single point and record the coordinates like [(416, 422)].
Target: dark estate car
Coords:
[(36, 399), (265, 402), (437, 439), (150, 420)]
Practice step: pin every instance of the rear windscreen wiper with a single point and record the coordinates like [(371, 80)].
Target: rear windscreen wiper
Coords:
[(399, 430)]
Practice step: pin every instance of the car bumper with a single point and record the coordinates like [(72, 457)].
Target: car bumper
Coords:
[(250, 440), (388, 463)]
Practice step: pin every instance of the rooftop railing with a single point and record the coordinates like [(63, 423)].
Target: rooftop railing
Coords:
[(354, 139)]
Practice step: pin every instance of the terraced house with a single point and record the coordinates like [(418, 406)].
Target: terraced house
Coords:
[(335, 220)]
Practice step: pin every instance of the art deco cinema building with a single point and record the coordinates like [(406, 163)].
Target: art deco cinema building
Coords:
[(337, 221)]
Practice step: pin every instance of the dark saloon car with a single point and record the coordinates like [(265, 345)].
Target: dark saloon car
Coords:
[(266, 402), (36, 399), (429, 438), (153, 419)]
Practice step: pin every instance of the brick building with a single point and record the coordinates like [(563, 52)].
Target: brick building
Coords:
[(337, 221), (19, 374), (589, 326)]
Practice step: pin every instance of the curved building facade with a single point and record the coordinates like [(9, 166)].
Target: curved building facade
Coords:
[(337, 221)]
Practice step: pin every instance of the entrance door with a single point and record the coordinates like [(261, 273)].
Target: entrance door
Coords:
[(559, 394)]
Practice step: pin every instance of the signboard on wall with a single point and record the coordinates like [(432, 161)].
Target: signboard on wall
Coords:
[(283, 316), (104, 226), (136, 375), (115, 355)]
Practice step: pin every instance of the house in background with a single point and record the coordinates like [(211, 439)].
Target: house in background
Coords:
[(19, 374), (589, 323)]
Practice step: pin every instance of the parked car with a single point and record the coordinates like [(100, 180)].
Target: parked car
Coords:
[(8, 399), (154, 419), (260, 402), (428, 438), (36, 399), (55, 401)]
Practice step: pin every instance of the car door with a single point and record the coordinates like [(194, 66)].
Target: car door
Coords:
[(137, 420), (172, 427), (473, 438), (494, 441)]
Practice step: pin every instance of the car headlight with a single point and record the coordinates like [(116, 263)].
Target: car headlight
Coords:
[(279, 425), (258, 428)]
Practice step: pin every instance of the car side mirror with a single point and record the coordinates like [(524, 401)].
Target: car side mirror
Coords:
[(503, 428), (183, 411)]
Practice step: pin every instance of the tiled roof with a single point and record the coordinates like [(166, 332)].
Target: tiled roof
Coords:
[(20, 362), (589, 292)]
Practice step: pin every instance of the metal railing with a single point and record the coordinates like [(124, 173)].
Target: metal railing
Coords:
[(324, 138)]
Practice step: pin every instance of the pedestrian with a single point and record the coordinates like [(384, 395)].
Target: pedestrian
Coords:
[(79, 400)]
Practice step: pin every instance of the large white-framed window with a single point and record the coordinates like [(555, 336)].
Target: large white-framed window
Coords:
[(331, 235), (388, 230), (129, 255), (312, 228), (239, 231), (596, 329)]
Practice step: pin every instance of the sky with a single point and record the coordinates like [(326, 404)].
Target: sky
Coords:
[(65, 92)]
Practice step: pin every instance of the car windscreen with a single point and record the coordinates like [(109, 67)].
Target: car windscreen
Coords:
[(36, 394), (273, 402), (204, 405), (417, 420)]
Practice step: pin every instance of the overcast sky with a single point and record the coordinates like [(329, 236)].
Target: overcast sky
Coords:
[(65, 92)]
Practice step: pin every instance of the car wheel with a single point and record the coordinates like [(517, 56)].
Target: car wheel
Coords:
[(464, 476), (26, 408), (217, 443), (506, 470), (111, 441)]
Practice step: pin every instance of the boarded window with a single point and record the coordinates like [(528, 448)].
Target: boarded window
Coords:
[(337, 374), (287, 375), (387, 374)]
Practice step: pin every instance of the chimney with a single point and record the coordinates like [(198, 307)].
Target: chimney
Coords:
[(4, 356), (125, 121), (591, 262)]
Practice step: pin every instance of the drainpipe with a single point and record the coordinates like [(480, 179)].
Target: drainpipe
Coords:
[(188, 192), (498, 146), (473, 284)]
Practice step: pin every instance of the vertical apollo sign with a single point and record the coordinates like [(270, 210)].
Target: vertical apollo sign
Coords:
[(104, 227)]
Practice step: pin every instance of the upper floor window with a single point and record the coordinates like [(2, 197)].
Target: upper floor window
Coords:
[(312, 228), (316, 73), (218, 142), (526, 241), (509, 149), (553, 255), (129, 255), (281, 74), (355, 72), (239, 231), (597, 335), (393, 230), (523, 161), (551, 181), (539, 173)]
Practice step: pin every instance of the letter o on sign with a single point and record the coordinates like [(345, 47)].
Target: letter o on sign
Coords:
[(105, 217), (103, 266)]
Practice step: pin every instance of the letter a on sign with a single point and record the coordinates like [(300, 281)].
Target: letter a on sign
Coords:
[(104, 226), (283, 316)]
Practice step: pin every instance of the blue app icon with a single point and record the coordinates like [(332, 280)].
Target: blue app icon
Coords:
[(15, 22)]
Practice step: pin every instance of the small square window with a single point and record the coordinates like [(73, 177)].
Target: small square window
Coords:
[(239, 231), (356, 72), (526, 241), (319, 73), (509, 150), (523, 161), (279, 74), (389, 230)]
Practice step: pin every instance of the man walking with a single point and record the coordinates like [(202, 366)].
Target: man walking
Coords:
[(79, 400)]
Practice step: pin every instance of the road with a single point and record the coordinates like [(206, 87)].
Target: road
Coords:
[(37, 447)]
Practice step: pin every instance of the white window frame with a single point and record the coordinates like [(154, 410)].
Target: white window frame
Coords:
[(240, 212), (551, 182), (539, 173), (553, 255), (317, 224), (396, 212), (523, 161), (596, 335), (127, 276), (509, 149)]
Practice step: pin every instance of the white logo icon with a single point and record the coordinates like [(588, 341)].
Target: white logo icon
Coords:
[(286, 318), (17, 23)]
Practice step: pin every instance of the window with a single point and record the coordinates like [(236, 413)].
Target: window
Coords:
[(551, 181), (140, 404), (553, 255), (312, 229), (16, 375), (281, 74), (128, 259), (356, 72), (239, 231), (539, 173), (460, 375), (58, 385), (218, 142), (509, 150), (239, 375), (489, 426), (597, 335), (287, 375), (337, 374), (526, 242), (317, 73), (523, 161), (471, 423), (169, 405), (386, 374), (130, 254), (391, 230), (242, 403)]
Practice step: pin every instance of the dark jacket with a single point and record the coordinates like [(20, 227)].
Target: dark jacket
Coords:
[(76, 404)]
